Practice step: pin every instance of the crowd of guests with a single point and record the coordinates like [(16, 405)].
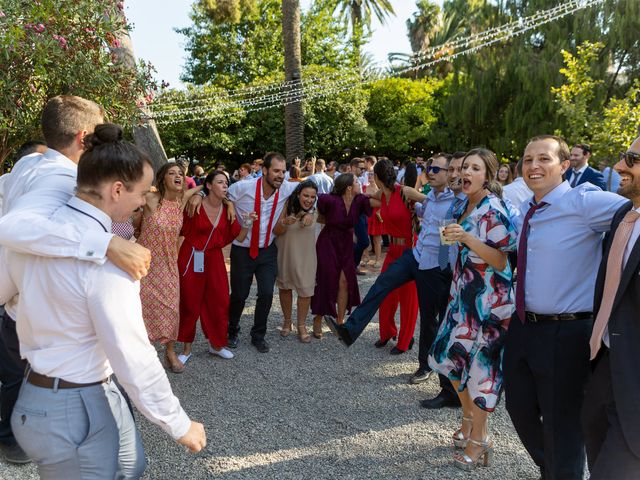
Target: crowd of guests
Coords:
[(457, 228)]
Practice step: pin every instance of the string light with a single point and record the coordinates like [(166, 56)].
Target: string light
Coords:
[(299, 90)]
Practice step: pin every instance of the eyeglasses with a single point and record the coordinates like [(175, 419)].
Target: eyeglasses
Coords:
[(630, 158), (434, 170)]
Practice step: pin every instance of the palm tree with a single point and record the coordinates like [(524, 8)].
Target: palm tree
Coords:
[(293, 114), (359, 14)]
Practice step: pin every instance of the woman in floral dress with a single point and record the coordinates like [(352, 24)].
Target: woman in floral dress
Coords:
[(469, 345), (158, 228)]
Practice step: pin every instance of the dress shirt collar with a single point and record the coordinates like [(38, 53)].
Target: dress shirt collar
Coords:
[(446, 193), (580, 171), (54, 155), (554, 195), (102, 220), (461, 196)]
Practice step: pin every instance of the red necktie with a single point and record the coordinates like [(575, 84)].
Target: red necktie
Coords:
[(254, 246), (612, 278), (522, 260)]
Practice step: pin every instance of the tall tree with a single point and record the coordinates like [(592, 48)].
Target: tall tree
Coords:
[(359, 13), (293, 114)]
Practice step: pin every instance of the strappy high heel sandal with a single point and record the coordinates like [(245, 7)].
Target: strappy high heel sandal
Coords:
[(303, 335), (285, 330), (317, 327), (459, 440), (465, 462)]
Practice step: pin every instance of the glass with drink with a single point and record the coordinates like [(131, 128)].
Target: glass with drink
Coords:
[(443, 226)]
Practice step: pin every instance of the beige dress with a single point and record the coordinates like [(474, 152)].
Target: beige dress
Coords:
[(297, 259)]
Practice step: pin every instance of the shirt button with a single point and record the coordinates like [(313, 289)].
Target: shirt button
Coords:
[(90, 253)]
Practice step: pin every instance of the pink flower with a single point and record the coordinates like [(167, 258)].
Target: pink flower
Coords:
[(120, 6), (139, 104), (32, 88), (39, 28), (116, 44), (2, 14)]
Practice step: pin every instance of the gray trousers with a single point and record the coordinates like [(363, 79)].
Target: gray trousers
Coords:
[(80, 433)]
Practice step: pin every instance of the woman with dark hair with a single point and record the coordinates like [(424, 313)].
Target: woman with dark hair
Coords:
[(396, 217), (204, 286), (158, 228), (469, 344), (504, 176), (294, 174), (336, 282), (296, 257)]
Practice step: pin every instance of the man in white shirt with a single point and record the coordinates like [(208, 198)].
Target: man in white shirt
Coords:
[(257, 255), (79, 322), (517, 191), (323, 181), (36, 187)]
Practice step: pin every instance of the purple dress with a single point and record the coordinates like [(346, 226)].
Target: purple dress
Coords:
[(335, 252)]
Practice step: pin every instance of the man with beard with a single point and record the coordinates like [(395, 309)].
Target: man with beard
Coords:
[(546, 357), (257, 255), (609, 417)]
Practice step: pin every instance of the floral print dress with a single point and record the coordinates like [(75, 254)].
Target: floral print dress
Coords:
[(469, 344)]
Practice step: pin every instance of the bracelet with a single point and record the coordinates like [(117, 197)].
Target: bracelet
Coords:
[(202, 194)]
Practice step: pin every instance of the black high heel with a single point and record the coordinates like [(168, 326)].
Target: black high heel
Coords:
[(397, 351)]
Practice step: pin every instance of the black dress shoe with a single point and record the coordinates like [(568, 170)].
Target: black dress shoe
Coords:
[(232, 342), (338, 330), (440, 401), (421, 375), (381, 343), (261, 345), (13, 453), (396, 351)]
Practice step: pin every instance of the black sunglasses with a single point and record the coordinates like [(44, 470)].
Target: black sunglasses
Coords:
[(630, 158), (435, 170)]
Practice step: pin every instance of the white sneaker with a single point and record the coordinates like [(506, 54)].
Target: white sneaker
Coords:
[(222, 353)]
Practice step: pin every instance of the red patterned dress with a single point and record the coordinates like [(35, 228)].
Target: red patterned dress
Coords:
[(160, 289)]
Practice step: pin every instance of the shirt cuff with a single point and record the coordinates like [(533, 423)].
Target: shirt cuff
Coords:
[(94, 245), (179, 428)]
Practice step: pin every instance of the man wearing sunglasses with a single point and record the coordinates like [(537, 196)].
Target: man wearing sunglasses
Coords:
[(427, 264), (610, 420)]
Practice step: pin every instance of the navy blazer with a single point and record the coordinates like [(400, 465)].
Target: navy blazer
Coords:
[(624, 336), (590, 175)]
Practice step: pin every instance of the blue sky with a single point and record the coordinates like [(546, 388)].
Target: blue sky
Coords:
[(154, 39)]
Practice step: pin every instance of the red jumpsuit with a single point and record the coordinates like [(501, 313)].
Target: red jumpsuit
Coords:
[(397, 223), (205, 295)]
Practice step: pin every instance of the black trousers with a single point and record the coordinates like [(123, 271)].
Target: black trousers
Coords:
[(546, 365), (608, 453), (433, 290), (243, 268), (12, 369)]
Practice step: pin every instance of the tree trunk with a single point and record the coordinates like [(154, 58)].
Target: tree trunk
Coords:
[(293, 114), (145, 133)]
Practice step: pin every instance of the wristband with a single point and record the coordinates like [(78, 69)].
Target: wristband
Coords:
[(202, 194)]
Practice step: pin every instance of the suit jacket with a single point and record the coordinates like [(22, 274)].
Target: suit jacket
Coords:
[(624, 336), (590, 175)]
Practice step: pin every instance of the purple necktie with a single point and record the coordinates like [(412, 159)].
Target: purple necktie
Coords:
[(522, 260)]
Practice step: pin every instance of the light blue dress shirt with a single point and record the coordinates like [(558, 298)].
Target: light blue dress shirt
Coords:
[(615, 179), (564, 247), (434, 209)]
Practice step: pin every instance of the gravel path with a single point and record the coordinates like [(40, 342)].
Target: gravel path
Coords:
[(317, 411)]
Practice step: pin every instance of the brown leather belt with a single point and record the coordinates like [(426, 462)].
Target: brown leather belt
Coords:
[(43, 381), (397, 240), (560, 317)]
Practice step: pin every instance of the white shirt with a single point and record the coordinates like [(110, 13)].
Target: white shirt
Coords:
[(323, 181), (575, 178), (37, 186), (81, 322), (517, 192), (242, 194)]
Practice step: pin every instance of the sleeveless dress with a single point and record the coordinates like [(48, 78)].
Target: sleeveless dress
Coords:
[(297, 261), (160, 289)]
